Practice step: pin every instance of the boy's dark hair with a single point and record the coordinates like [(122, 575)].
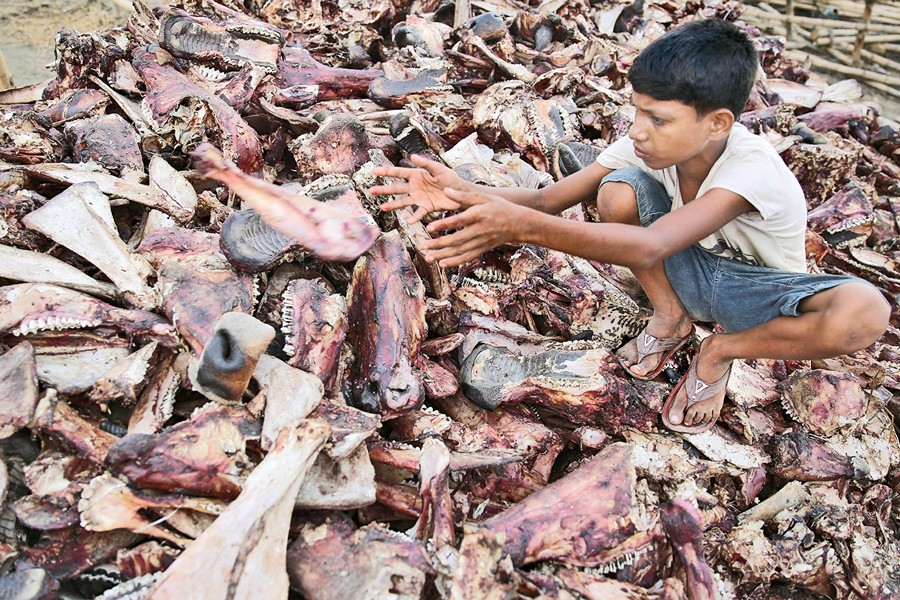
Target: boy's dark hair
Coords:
[(708, 64)]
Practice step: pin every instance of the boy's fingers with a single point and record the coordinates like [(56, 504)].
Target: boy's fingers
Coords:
[(397, 203), (418, 215), (426, 163), (450, 222), (394, 188), (391, 171), (464, 198)]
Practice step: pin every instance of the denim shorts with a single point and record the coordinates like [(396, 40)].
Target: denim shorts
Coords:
[(734, 294)]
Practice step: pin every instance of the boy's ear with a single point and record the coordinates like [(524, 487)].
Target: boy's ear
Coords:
[(721, 121)]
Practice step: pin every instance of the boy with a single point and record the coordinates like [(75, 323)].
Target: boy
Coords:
[(706, 215)]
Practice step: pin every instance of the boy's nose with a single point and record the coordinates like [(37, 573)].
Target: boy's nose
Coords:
[(637, 133)]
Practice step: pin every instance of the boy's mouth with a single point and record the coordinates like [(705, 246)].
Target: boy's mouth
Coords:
[(640, 153)]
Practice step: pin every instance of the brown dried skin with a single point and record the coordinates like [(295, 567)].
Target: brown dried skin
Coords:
[(225, 47), (79, 56), (332, 560), (167, 89), (350, 427), (67, 552), (392, 93), (327, 232), (45, 513), (682, 524), (317, 320), (298, 67), (230, 357), (340, 146), (243, 553), (587, 518), (482, 573), (799, 456), (18, 389), (856, 120), (13, 208), (824, 401), (845, 219), (386, 311), (109, 141), (581, 385), (201, 457), (820, 168)]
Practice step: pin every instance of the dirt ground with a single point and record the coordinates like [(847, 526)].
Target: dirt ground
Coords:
[(29, 29)]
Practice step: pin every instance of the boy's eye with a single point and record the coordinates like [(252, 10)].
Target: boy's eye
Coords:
[(656, 121)]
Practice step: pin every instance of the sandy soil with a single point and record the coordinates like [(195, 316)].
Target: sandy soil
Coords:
[(29, 29)]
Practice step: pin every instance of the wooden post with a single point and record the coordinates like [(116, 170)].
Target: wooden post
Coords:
[(462, 13), (5, 77), (789, 9), (861, 35)]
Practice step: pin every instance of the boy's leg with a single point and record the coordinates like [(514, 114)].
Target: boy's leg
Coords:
[(617, 202), (839, 320)]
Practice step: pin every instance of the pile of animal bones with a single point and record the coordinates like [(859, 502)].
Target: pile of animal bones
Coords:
[(195, 405)]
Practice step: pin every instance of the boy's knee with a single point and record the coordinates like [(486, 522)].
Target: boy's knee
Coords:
[(617, 203), (864, 311)]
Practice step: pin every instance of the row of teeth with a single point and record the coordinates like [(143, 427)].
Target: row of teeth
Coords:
[(327, 181), (491, 275), (54, 323), (617, 564), (210, 73), (133, 589), (849, 223), (257, 31), (475, 283)]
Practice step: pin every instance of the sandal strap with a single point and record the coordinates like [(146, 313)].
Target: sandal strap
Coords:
[(648, 344), (698, 390)]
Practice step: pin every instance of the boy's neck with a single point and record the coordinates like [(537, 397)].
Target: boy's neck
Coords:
[(697, 168)]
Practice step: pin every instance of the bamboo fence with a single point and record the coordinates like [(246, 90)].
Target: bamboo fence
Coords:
[(856, 38)]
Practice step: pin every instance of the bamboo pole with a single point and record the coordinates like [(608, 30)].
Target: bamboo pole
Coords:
[(462, 13), (5, 77), (858, 73), (869, 40), (825, 23), (861, 36), (847, 9)]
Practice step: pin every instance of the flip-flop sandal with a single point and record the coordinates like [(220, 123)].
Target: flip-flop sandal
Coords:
[(697, 391), (650, 344)]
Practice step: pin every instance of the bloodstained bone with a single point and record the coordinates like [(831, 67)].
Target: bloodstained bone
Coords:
[(109, 141), (298, 67), (54, 417), (332, 560), (317, 321), (203, 456), (68, 552), (682, 523), (386, 311), (796, 455), (587, 518), (167, 89), (435, 522), (327, 232)]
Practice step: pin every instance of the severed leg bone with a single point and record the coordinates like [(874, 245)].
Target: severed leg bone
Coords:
[(243, 553), (230, 357), (291, 395), (327, 232)]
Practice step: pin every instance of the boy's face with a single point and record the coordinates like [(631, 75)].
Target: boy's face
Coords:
[(669, 132)]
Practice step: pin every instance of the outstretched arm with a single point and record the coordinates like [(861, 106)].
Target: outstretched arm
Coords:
[(488, 221), (424, 188)]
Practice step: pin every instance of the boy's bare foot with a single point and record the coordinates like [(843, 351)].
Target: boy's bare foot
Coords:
[(709, 370), (660, 329)]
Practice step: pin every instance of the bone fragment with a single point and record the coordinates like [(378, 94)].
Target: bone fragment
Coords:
[(114, 186), (36, 267), (75, 369), (681, 521), (80, 219), (481, 571), (436, 518), (718, 444), (340, 484), (18, 390), (291, 394), (56, 418), (243, 554), (789, 497)]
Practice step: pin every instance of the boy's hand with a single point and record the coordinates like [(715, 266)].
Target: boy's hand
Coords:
[(423, 188), (486, 222)]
